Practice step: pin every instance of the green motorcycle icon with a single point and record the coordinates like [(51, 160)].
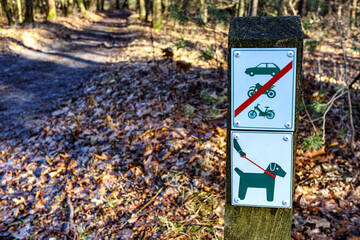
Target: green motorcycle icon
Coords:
[(253, 89), (269, 114)]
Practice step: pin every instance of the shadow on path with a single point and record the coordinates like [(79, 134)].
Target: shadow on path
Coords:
[(35, 82)]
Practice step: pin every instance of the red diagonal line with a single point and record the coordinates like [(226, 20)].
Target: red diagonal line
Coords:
[(259, 167), (263, 88)]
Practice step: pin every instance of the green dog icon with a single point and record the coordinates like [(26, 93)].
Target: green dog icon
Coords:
[(260, 180)]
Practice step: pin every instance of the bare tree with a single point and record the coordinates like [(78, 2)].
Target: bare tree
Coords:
[(70, 7), (8, 11), (93, 5), (157, 21), (239, 8), (19, 10), (142, 9), (254, 7), (279, 7), (29, 11), (52, 9), (82, 6)]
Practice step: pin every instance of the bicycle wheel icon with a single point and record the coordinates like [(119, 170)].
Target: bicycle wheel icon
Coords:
[(252, 114)]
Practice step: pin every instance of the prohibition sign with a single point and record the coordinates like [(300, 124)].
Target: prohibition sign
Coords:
[(263, 89)]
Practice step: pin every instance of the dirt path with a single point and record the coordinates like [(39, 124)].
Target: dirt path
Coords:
[(35, 82)]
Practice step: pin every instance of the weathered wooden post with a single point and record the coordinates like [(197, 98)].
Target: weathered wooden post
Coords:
[(265, 56)]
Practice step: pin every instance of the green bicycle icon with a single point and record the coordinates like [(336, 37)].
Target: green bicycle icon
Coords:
[(269, 114), (253, 89)]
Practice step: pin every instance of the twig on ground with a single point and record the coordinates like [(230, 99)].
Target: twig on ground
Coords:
[(308, 115), (71, 216), (326, 179), (147, 204), (357, 78), (330, 103)]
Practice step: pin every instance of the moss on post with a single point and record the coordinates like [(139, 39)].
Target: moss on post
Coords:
[(260, 32)]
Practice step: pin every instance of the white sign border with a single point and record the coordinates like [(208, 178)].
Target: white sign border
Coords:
[(233, 193), (292, 121)]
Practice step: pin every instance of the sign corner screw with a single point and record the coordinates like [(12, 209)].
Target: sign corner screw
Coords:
[(285, 202), (237, 123), (236, 136), (237, 54), (236, 200), (290, 54), (286, 138), (287, 125)]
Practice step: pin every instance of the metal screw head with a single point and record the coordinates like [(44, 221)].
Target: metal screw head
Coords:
[(237, 54), (285, 202), (237, 123), (290, 54), (236, 136), (286, 138), (236, 200), (287, 125)]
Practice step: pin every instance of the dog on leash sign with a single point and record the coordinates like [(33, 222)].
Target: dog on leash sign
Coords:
[(261, 168)]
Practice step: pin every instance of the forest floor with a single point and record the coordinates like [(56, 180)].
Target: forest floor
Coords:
[(138, 150), (46, 62)]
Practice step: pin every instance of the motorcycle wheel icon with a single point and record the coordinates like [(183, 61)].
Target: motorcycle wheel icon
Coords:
[(270, 92)]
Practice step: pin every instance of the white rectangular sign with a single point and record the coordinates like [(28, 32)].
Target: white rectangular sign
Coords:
[(263, 82), (261, 168)]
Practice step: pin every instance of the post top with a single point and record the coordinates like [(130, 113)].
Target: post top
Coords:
[(265, 28)]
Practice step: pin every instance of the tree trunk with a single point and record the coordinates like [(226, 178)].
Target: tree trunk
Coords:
[(185, 3), (70, 7), (237, 8), (302, 7), (52, 9), (240, 8), (102, 4), (279, 7), (204, 11), (7, 11), (29, 11), (142, 9), (254, 7), (19, 10), (339, 9), (117, 4), (148, 9), (132, 5), (353, 13), (157, 21), (93, 5), (81, 6)]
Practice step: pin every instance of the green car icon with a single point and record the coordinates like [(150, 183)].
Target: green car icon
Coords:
[(264, 69)]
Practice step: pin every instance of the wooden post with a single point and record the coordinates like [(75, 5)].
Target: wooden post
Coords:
[(249, 222)]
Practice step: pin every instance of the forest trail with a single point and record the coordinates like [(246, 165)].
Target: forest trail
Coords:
[(34, 82)]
